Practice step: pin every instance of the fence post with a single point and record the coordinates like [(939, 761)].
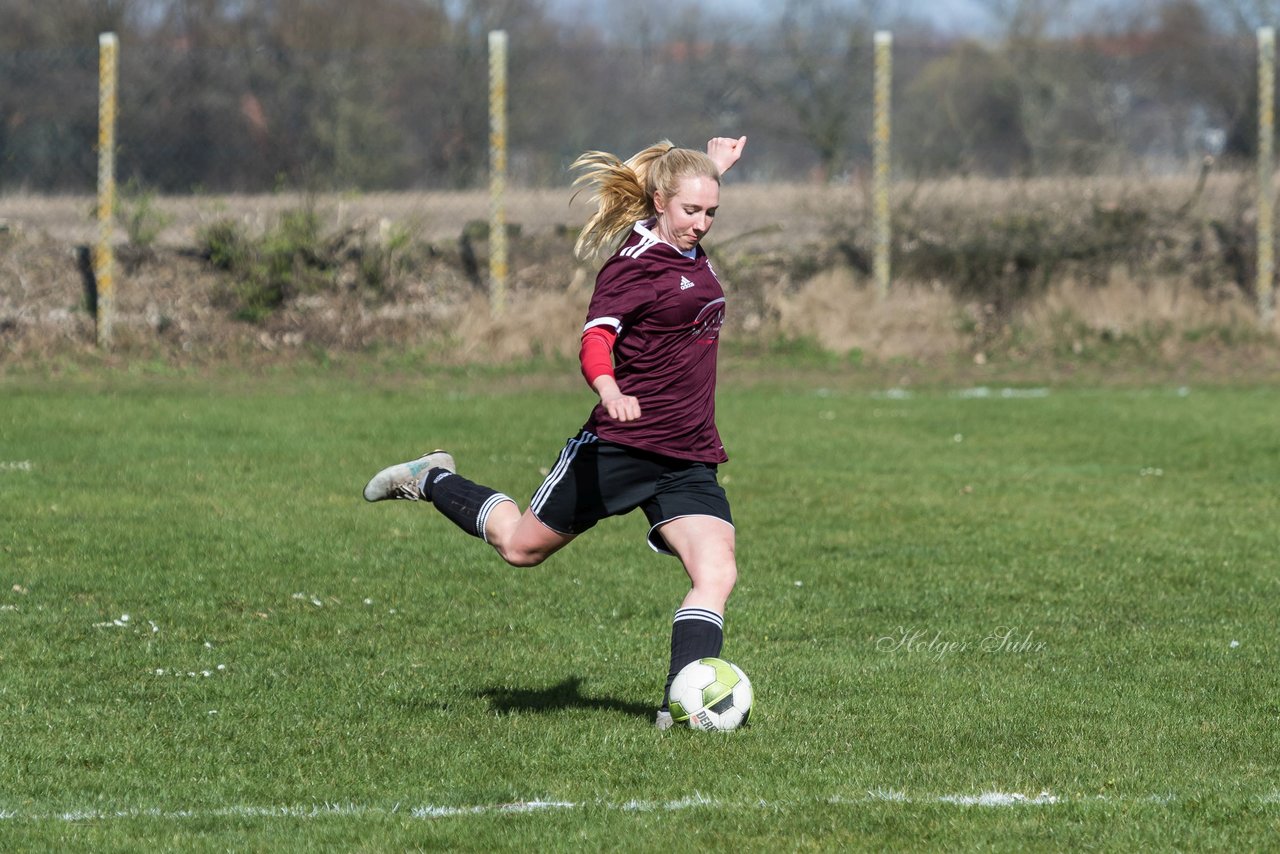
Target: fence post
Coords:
[(103, 257), (1266, 195), (497, 170), (882, 159)]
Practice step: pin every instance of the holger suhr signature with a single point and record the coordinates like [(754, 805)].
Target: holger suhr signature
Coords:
[(937, 645)]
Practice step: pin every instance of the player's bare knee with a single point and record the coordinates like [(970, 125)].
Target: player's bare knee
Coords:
[(522, 557), (719, 577), (727, 579)]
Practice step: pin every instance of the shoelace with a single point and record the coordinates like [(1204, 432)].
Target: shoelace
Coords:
[(408, 490)]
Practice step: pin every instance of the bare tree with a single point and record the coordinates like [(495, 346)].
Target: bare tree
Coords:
[(1241, 19), (960, 113), (820, 82), (1066, 104), (1248, 15)]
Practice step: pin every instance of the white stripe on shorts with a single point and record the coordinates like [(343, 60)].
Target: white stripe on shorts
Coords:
[(562, 467)]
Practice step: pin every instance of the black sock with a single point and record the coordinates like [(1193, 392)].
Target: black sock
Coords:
[(695, 633), (464, 503)]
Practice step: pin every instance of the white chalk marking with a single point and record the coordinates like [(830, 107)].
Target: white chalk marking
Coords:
[(982, 392), (998, 799), (892, 795), (993, 799), (697, 799)]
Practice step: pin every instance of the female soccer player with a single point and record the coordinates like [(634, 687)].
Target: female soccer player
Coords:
[(649, 351)]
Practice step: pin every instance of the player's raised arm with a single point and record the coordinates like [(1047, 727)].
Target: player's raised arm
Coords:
[(725, 151)]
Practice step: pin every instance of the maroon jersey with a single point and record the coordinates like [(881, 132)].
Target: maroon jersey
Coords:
[(666, 309)]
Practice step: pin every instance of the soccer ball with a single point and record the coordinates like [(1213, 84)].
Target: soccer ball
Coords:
[(711, 694)]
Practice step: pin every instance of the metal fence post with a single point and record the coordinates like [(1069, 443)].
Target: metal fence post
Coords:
[(497, 170), (1266, 195), (103, 257), (882, 159)]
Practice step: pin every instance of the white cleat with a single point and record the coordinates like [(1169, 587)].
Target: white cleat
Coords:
[(664, 720), (401, 481)]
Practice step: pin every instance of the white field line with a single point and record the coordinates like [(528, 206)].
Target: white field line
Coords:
[(999, 799), (991, 799), (983, 392), (976, 393)]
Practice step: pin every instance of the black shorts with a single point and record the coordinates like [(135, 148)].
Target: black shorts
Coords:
[(594, 479)]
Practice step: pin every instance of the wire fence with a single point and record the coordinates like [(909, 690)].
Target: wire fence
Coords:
[(249, 119), (407, 132)]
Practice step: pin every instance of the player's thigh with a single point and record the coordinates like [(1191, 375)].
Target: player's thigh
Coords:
[(690, 506), (706, 545)]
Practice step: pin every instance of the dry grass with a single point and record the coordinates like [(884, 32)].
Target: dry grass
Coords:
[(1220, 192), (437, 216), (790, 256), (1126, 307), (844, 314), (798, 211)]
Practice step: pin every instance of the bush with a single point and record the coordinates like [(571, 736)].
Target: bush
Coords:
[(383, 262), (1003, 251), (289, 259), (142, 221)]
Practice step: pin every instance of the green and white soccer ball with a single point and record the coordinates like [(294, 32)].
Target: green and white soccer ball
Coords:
[(711, 694)]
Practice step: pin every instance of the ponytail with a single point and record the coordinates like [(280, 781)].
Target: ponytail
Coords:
[(624, 191)]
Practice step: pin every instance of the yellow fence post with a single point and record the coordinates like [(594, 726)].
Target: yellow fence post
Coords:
[(882, 160), (1266, 194), (103, 257), (497, 170)]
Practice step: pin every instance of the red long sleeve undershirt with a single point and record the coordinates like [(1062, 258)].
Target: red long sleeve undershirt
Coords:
[(596, 354)]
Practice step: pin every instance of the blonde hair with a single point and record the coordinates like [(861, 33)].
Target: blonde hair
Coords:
[(623, 191)]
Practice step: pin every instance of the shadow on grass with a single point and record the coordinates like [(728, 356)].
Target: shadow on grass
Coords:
[(566, 694)]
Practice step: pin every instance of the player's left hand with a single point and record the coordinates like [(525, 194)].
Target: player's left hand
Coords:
[(724, 151), (621, 407)]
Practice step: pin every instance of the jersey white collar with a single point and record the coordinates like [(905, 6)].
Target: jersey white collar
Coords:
[(644, 228)]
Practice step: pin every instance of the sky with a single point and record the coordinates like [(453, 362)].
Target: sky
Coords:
[(949, 15), (959, 16), (954, 17)]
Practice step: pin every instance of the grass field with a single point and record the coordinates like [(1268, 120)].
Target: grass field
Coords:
[(1024, 619)]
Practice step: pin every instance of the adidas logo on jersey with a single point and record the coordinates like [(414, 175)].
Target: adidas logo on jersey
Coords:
[(685, 284)]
